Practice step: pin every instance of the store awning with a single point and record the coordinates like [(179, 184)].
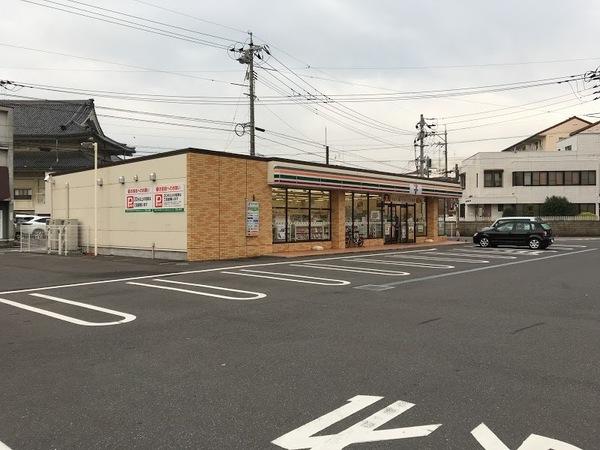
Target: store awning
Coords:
[(4, 188), (286, 173)]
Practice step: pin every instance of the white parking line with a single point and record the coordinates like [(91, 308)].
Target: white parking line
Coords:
[(289, 277), (392, 284), (509, 251), (254, 295), (126, 317), (3, 446), (440, 258), (363, 270), (405, 263), (470, 254)]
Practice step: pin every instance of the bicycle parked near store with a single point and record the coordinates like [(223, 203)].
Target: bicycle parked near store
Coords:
[(353, 238)]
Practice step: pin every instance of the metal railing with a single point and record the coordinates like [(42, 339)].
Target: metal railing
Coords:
[(62, 239)]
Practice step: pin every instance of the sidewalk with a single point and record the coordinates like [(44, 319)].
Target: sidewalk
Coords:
[(336, 251)]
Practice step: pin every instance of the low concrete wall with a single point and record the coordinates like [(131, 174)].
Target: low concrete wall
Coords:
[(559, 228)]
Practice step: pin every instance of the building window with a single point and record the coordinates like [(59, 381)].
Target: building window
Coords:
[(560, 178), (500, 207), (421, 218), (301, 215), (22, 194), (526, 178), (517, 178), (364, 213), (535, 178), (568, 178), (568, 148), (552, 178), (492, 178), (463, 180), (587, 208), (461, 212)]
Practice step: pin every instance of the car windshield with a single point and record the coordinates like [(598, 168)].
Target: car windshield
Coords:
[(545, 226)]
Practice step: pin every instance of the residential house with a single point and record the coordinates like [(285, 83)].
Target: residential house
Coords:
[(562, 160), (47, 137)]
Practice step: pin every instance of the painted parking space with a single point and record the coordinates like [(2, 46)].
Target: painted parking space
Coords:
[(234, 350), (252, 282), (125, 317)]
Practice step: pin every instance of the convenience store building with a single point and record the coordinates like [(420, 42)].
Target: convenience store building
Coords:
[(197, 205)]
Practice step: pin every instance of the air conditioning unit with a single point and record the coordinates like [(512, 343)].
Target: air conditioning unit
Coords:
[(54, 234), (71, 235)]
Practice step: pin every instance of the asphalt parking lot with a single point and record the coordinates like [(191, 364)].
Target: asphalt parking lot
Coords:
[(450, 347)]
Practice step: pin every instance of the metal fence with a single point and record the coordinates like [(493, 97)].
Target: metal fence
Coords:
[(60, 239), (579, 217)]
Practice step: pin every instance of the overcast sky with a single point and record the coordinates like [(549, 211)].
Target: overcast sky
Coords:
[(352, 47)]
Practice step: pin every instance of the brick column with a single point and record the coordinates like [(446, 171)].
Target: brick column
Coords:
[(338, 219), (432, 218)]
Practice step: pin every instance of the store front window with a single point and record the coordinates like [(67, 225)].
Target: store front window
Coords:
[(364, 215), (301, 215), (421, 218)]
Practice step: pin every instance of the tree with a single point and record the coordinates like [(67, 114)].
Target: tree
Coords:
[(558, 206), (509, 211)]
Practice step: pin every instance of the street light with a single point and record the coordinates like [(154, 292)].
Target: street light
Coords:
[(94, 145)]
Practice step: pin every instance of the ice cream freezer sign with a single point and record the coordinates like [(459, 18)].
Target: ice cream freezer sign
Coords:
[(159, 198)]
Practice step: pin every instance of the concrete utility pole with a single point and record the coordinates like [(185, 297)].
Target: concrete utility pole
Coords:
[(326, 148), (246, 56), (445, 151), (251, 80), (421, 146)]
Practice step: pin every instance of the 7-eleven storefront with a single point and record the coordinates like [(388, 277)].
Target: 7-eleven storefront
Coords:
[(235, 206), (342, 207)]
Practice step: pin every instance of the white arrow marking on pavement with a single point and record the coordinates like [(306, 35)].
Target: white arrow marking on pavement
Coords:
[(489, 441), (363, 431)]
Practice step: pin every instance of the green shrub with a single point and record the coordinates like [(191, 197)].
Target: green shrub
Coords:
[(557, 206)]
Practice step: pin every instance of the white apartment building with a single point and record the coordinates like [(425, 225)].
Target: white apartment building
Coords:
[(562, 160)]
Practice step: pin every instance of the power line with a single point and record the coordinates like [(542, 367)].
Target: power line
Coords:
[(86, 58), (179, 13), (452, 66), (123, 22)]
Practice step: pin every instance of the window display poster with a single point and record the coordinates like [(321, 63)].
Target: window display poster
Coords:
[(159, 198), (252, 218)]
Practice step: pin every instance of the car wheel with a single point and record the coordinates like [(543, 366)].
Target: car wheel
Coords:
[(534, 244), (38, 234), (484, 242)]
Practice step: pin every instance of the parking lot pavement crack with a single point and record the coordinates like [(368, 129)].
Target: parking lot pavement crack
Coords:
[(538, 324), (429, 321)]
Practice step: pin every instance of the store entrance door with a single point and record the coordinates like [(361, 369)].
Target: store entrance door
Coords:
[(399, 224)]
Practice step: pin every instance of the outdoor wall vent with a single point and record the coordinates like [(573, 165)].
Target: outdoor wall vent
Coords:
[(135, 178), (152, 176), (122, 179), (99, 181)]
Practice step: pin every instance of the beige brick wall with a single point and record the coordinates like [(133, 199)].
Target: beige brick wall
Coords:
[(217, 194)]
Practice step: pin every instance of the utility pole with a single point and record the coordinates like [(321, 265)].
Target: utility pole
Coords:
[(445, 151), (251, 80), (246, 56), (421, 146), (326, 148)]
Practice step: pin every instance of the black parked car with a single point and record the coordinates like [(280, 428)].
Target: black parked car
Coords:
[(534, 233)]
